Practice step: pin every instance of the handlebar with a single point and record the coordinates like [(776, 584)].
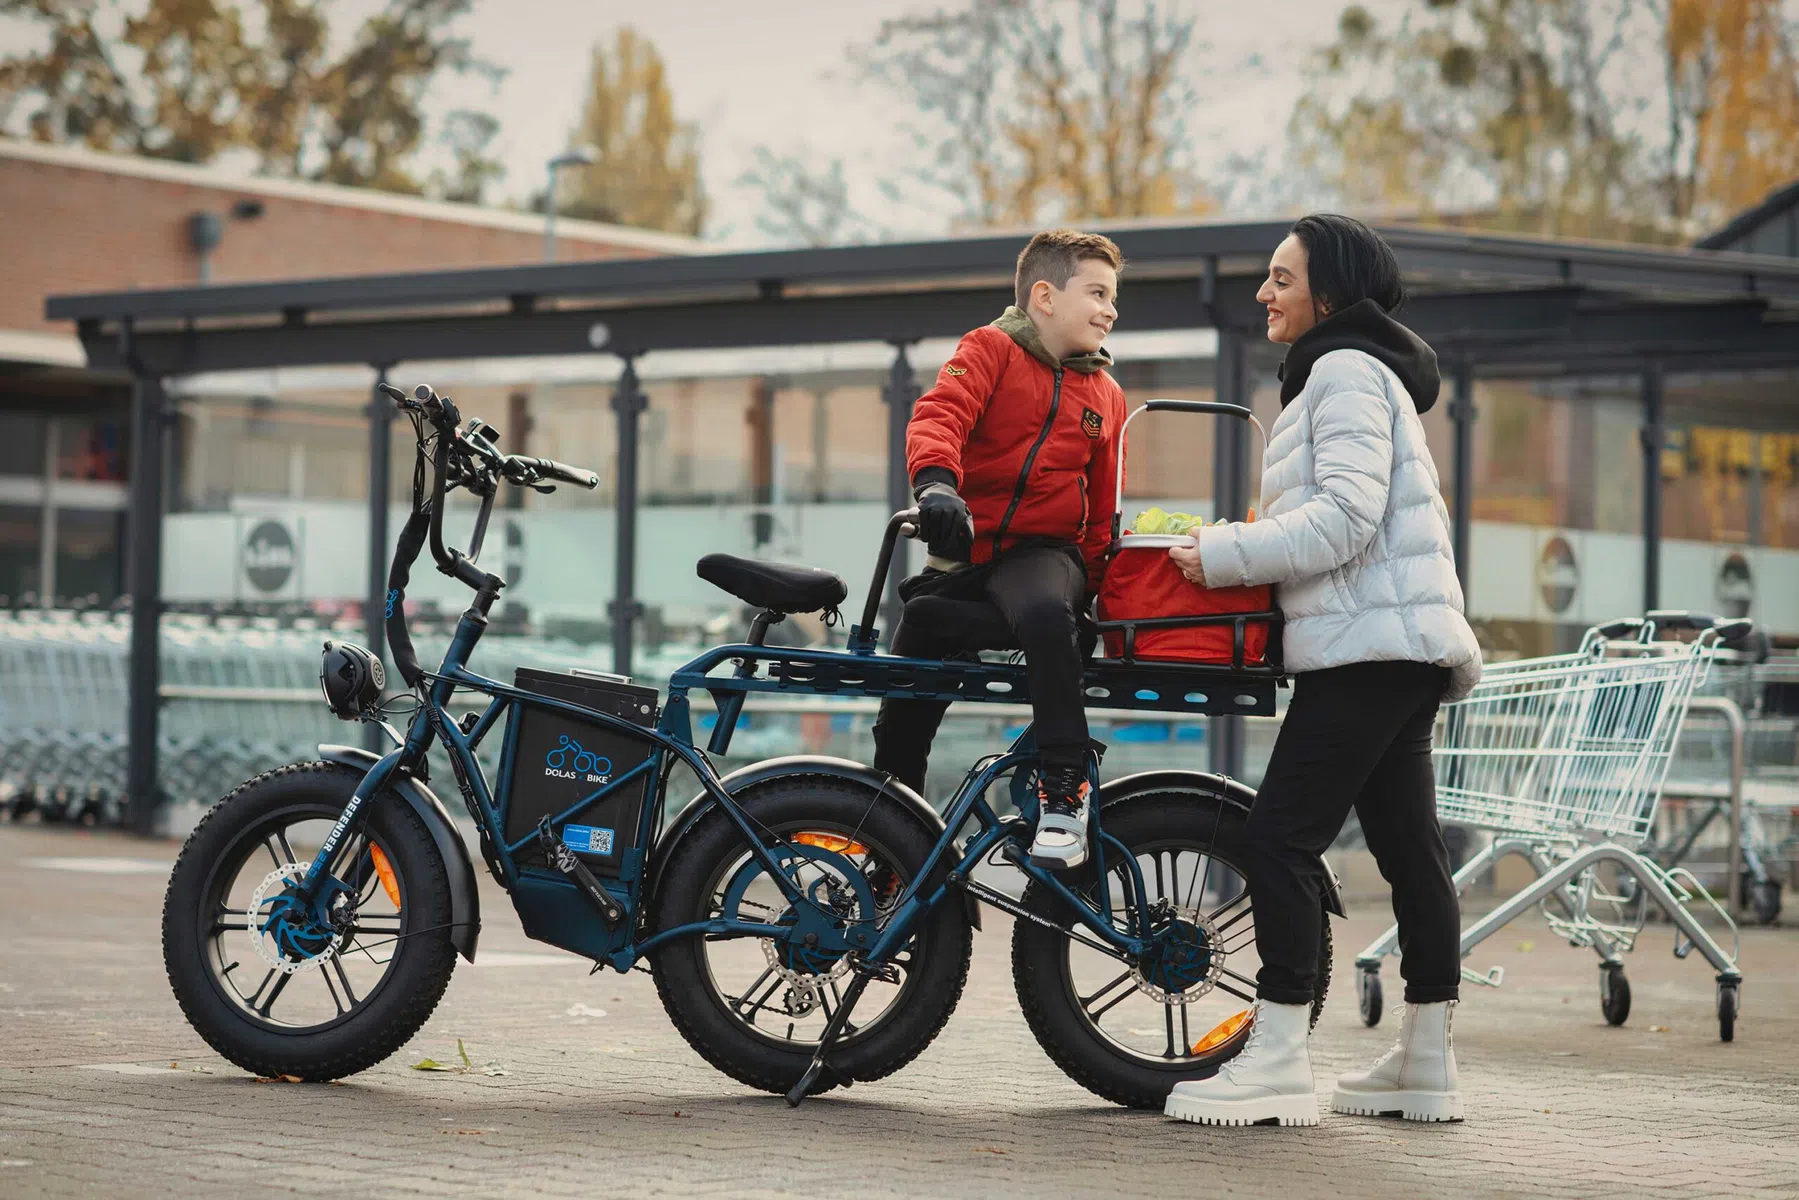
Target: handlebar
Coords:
[(462, 456)]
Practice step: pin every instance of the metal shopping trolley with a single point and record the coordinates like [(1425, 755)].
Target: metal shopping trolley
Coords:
[(1563, 760)]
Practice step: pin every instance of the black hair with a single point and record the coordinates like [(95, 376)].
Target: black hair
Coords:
[(1347, 262)]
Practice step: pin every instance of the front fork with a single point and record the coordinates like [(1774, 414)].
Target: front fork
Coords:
[(351, 820)]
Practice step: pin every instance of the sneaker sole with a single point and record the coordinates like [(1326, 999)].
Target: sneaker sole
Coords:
[(1272, 1110), (1409, 1106), (1077, 859)]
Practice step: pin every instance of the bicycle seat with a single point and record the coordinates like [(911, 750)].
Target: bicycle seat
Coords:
[(780, 587)]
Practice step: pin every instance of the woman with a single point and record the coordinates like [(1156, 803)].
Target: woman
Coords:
[(1355, 533)]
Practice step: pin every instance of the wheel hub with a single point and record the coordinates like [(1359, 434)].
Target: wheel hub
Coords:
[(1184, 958), (287, 934)]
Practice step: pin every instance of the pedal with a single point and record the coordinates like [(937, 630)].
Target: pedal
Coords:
[(557, 853)]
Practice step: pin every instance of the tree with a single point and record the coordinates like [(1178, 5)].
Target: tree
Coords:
[(468, 135), (1047, 109), (1534, 115), (646, 168), (804, 204), (191, 79)]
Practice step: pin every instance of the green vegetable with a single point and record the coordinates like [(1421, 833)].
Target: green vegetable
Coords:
[(1155, 520)]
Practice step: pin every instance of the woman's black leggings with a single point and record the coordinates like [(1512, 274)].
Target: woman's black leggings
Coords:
[(1356, 736)]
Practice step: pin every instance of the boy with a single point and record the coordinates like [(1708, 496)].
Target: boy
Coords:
[(1013, 461)]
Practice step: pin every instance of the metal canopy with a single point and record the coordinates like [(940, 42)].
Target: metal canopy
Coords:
[(1492, 303)]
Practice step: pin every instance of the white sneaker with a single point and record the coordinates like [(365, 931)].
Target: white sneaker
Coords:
[(1269, 1081), (1060, 842), (1416, 1079)]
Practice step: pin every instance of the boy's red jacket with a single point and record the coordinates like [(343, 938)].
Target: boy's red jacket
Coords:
[(1034, 449)]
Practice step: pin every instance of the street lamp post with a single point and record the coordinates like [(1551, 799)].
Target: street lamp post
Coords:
[(573, 158)]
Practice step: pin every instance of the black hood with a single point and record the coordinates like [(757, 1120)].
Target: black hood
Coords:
[(1365, 326)]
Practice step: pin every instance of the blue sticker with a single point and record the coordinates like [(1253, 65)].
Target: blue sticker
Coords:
[(588, 839)]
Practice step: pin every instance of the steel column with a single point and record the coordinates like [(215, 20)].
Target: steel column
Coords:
[(381, 440), (1462, 414), (629, 402), (144, 579), (1654, 437), (1230, 498), (900, 393)]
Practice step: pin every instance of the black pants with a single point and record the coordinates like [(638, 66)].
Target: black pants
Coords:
[(1041, 591), (1356, 736)]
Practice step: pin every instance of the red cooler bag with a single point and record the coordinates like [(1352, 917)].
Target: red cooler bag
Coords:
[(1141, 583)]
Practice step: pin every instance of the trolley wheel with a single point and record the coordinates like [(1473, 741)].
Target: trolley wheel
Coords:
[(1368, 996), (1764, 897), (1727, 1011), (1614, 993)]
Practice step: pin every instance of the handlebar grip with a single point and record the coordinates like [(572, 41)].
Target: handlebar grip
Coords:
[(551, 469), (1734, 632), (1619, 628), (1675, 618), (1198, 406)]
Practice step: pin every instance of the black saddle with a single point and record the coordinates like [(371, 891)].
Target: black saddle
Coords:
[(779, 587)]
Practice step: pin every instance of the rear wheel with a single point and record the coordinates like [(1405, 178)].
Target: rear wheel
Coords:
[(1130, 1031), (316, 991), (756, 1007)]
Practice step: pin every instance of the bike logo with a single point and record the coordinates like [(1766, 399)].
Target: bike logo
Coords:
[(569, 761)]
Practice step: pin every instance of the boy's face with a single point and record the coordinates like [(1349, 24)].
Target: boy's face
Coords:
[(1075, 319)]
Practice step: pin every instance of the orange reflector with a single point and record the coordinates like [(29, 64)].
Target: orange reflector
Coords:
[(385, 870), (834, 842), (1224, 1031)]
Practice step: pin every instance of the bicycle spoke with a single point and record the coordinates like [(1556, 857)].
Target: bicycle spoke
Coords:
[(1186, 1037), (1246, 997), (281, 837), (1168, 1014), (1087, 1002), (737, 1002), (268, 844), (325, 977), (274, 993), (1190, 898), (1245, 980), (343, 977)]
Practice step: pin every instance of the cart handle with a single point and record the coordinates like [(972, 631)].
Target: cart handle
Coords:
[(1215, 407)]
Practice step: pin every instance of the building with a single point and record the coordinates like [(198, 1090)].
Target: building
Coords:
[(75, 220)]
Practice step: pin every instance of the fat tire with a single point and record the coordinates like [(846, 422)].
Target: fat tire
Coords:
[(408, 994), (1039, 958), (682, 977)]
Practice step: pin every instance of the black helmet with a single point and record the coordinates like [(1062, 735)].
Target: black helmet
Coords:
[(353, 679)]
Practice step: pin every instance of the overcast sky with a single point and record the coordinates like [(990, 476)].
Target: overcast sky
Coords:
[(777, 73)]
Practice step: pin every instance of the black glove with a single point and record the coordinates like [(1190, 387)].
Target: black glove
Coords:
[(943, 520)]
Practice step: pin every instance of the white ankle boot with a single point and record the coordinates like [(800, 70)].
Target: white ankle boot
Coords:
[(1416, 1079), (1271, 1080)]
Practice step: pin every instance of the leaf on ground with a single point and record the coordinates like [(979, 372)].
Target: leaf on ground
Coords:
[(1527, 945), (584, 1010), (466, 1064), (990, 1150), (292, 1079), (1659, 1029), (430, 1064)]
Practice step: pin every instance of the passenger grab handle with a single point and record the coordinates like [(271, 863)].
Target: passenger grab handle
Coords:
[(901, 524)]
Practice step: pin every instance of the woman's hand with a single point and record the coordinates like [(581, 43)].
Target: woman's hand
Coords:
[(1188, 562)]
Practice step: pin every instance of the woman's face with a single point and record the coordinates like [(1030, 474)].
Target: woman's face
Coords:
[(1288, 293)]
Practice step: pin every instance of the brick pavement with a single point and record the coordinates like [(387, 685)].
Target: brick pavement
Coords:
[(1560, 1104)]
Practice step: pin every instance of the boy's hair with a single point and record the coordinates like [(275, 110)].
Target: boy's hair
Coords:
[(1056, 254)]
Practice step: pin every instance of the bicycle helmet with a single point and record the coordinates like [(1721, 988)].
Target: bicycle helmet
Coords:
[(353, 680)]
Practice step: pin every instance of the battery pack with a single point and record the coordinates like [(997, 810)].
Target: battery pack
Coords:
[(558, 760)]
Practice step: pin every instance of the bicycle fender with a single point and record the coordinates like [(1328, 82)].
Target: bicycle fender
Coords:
[(1232, 791), (845, 769), (465, 895)]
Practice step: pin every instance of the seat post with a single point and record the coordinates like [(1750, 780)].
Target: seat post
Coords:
[(760, 626)]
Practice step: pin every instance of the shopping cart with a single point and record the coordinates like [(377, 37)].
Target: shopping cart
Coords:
[(1563, 760)]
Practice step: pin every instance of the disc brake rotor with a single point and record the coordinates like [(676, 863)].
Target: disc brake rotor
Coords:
[(808, 969), (286, 937), (1187, 960)]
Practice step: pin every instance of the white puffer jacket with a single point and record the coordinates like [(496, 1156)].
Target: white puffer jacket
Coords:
[(1353, 529)]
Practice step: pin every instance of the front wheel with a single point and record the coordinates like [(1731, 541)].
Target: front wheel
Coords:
[(1130, 1031), (316, 990)]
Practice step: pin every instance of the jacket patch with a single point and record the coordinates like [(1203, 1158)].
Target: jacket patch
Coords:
[(1092, 424), (949, 370)]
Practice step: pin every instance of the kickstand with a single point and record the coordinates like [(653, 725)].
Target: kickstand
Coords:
[(833, 1031)]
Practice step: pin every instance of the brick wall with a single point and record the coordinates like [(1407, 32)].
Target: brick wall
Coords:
[(68, 228)]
